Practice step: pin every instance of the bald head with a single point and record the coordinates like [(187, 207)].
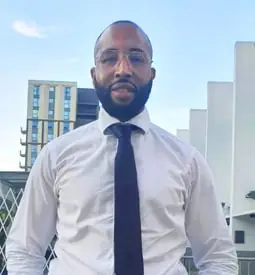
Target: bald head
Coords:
[(123, 23), (122, 75)]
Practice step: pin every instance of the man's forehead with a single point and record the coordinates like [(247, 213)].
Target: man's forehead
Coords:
[(122, 36)]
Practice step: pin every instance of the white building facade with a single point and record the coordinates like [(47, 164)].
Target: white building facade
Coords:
[(243, 176), (197, 129), (219, 136)]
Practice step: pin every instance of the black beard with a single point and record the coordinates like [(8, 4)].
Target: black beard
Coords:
[(124, 112)]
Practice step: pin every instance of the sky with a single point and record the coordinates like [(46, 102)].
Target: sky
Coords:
[(193, 43)]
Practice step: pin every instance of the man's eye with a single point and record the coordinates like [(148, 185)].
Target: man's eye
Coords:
[(136, 59), (109, 60)]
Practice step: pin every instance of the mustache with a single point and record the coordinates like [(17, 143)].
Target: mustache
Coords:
[(123, 81)]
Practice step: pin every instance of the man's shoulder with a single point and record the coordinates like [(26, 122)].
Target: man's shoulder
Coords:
[(84, 133), (173, 143)]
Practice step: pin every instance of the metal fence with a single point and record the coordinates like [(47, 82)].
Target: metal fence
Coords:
[(9, 201)]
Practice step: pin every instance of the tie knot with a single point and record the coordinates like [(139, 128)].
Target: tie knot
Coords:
[(120, 130)]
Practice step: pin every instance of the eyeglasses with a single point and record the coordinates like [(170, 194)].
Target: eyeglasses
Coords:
[(112, 57)]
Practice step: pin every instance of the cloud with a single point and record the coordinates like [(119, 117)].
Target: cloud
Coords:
[(29, 29)]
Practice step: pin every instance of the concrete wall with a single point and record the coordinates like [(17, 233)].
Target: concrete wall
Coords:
[(243, 179), (219, 136), (246, 224), (197, 129), (183, 134)]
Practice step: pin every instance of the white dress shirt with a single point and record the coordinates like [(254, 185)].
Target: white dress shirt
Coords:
[(70, 192)]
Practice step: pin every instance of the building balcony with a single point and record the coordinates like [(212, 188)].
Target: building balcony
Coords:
[(23, 143), (250, 195), (24, 132), (23, 167), (23, 155)]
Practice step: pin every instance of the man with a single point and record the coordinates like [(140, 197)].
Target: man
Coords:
[(123, 196)]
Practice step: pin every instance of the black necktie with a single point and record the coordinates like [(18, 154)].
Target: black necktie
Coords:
[(128, 257)]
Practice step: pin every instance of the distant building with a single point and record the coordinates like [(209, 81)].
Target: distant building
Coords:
[(54, 108), (183, 134), (197, 129), (219, 136), (87, 106), (243, 177)]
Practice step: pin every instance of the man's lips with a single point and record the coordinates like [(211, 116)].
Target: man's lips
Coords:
[(122, 94), (123, 86), (123, 91)]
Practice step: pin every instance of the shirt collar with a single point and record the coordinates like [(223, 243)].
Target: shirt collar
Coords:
[(142, 120)]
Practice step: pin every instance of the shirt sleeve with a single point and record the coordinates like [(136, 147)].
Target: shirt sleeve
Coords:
[(211, 242), (34, 225)]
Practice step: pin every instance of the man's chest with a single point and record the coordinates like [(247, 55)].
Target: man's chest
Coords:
[(85, 184)]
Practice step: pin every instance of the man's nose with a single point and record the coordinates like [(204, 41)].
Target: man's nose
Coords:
[(123, 68)]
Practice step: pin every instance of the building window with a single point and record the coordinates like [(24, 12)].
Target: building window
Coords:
[(34, 149), (33, 154), (51, 105), (66, 115), (67, 104), (66, 127), (33, 160), (34, 130), (34, 137), (52, 93), (50, 137), (35, 114), (36, 91), (50, 130), (67, 93), (36, 96), (239, 237), (50, 124), (50, 114), (35, 102), (34, 123)]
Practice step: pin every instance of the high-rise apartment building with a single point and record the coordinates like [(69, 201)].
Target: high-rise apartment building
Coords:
[(219, 136), (197, 129), (183, 134), (51, 112)]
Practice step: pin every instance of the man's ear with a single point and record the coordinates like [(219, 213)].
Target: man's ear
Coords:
[(93, 75), (153, 73)]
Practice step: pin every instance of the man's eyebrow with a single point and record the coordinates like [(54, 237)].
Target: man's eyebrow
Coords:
[(109, 50), (115, 50), (136, 50)]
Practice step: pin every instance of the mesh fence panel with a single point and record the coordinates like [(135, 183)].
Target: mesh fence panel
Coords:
[(9, 201)]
